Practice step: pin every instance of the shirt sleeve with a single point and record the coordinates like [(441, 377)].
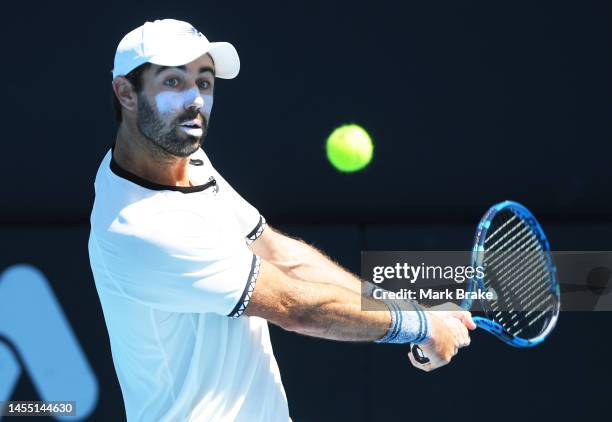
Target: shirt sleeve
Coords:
[(252, 223), (173, 275)]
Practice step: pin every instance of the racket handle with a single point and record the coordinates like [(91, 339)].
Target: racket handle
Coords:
[(418, 354)]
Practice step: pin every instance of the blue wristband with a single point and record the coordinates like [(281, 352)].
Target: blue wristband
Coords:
[(407, 326)]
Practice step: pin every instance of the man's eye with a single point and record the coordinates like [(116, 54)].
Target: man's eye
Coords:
[(204, 84), (172, 82)]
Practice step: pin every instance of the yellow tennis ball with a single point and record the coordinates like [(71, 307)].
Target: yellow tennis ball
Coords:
[(349, 148)]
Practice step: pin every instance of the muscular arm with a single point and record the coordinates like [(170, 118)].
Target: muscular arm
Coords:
[(317, 309), (302, 261), (302, 290)]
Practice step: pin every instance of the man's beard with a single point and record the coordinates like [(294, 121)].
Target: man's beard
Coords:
[(167, 137)]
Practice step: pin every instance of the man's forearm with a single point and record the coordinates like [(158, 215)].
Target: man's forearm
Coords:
[(332, 312), (302, 261), (343, 319)]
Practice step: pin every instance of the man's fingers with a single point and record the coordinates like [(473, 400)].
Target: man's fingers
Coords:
[(465, 336), (458, 312), (468, 321), (459, 330), (465, 317), (450, 334)]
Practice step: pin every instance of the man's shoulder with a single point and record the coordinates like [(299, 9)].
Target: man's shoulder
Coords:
[(117, 199)]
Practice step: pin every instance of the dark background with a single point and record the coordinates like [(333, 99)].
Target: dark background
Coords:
[(468, 103)]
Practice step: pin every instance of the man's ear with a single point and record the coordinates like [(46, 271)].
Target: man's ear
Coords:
[(125, 93)]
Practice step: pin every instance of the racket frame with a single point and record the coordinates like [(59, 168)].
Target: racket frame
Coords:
[(475, 283)]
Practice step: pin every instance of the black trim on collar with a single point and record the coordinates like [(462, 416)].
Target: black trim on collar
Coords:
[(121, 172)]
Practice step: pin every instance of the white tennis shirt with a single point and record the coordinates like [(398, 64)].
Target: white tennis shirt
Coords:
[(174, 275)]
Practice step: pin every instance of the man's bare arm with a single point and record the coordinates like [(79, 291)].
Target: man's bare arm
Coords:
[(316, 309), (302, 261), (333, 312), (303, 290)]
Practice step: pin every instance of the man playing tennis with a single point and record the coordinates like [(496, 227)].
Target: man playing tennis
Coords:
[(187, 272)]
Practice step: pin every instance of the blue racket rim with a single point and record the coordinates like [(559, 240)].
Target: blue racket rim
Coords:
[(478, 283)]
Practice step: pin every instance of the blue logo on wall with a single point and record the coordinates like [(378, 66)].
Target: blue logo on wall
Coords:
[(32, 321)]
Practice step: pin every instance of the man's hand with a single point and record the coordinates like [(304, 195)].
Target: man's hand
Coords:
[(449, 332)]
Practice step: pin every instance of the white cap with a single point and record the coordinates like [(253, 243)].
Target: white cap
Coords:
[(170, 42)]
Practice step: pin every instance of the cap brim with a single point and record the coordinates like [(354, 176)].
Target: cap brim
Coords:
[(227, 62), (225, 56)]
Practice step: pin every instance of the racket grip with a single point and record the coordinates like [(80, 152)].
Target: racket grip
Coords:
[(418, 354)]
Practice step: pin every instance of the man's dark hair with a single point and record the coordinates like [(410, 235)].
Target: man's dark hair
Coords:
[(135, 78)]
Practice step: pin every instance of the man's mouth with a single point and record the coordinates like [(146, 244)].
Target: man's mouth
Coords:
[(192, 128), (192, 124)]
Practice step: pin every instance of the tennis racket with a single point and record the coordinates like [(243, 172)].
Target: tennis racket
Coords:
[(513, 250)]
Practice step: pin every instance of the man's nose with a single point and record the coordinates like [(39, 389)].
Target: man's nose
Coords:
[(194, 99)]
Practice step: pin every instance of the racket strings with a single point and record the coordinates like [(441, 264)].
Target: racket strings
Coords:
[(511, 288), (516, 270), (509, 261)]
